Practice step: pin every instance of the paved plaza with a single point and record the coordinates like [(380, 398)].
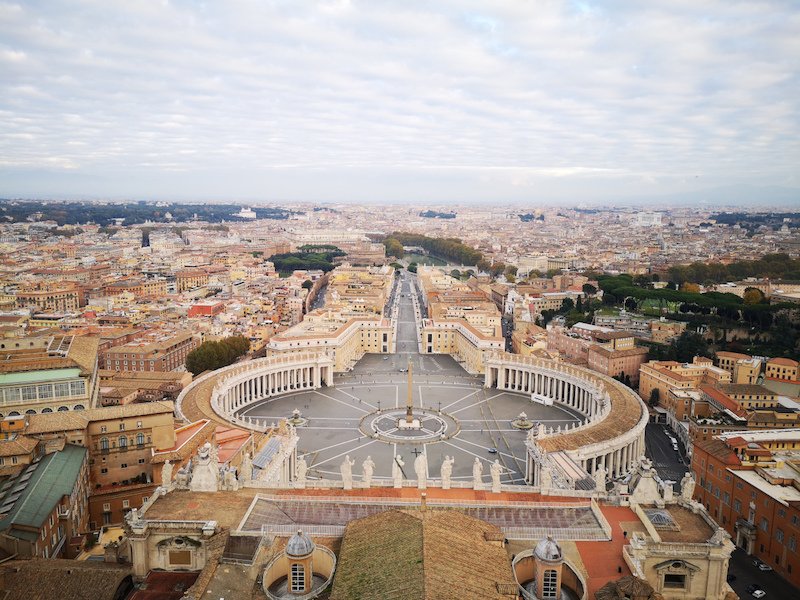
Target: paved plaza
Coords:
[(475, 422)]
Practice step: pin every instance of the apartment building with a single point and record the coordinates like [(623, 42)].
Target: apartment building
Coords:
[(155, 352), (44, 506), (750, 483), (65, 296)]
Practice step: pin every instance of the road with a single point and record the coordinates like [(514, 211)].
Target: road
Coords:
[(742, 567), (658, 448)]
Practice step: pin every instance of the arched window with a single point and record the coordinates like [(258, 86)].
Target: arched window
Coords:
[(47, 410), (549, 583), (104, 444), (123, 442), (298, 578), (140, 439)]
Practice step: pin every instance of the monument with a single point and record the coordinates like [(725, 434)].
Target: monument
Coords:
[(496, 470), (421, 469), (205, 475), (409, 421), (687, 486), (447, 472), (347, 472), (300, 472), (166, 474), (397, 471), (368, 468), (477, 474)]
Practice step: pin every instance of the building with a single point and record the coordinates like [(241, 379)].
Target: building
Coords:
[(343, 336), (669, 375), (66, 296), (617, 356), (784, 369), (48, 375), (156, 352), (45, 506), (750, 483)]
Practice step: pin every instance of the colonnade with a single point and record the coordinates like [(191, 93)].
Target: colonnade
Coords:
[(585, 392), (244, 389)]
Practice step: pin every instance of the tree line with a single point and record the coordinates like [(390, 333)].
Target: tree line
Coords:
[(774, 266), (213, 355), (452, 249)]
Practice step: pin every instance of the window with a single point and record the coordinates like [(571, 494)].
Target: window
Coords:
[(549, 584), (124, 466), (103, 470), (106, 506), (138, 424), (14, 460), (792, 543), (122, 426), (140, 439), (674, 581), (781, 512), (103, 429), (298, 578), (737, 506), (126, 504), (764, 524), (779, 534), (141, 461), (123, 442)]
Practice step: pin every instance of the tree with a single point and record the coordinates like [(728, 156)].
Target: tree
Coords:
[(692, 288), (567, 305), (308, 284), (689, 345), (455, 274), (412, 267), (215, 355), (393, 247), (630, 304), (753, 296), (589, 289), (655, 397)]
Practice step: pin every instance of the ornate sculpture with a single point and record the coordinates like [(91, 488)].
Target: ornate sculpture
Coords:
[(246, 468), (368, 467), (477, 474), (545, 477), (447, 472), (346, 469), (687, 486), (496, 469), (397, 471), (600, 478), (166, 474), (421, 469), (205, 474), (300, 471)]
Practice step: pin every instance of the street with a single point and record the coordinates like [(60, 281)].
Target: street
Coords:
[(741, 566), (658, 448)]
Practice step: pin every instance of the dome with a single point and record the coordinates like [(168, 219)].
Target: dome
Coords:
[(299, 545), (548, 549)]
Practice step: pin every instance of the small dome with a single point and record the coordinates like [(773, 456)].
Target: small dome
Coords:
[(548, 549), (299, 545)]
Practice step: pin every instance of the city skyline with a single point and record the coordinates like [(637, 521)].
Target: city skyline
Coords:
[(563, 103)]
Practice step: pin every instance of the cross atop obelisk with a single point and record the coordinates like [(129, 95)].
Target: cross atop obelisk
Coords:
[(409, 415)]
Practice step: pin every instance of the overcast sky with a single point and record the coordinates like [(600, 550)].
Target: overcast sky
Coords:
[(434, 101)]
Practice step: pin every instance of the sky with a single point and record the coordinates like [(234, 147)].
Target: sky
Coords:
[(405, 101)]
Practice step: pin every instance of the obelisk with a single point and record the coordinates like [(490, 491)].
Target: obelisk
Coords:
[(409, 415), (409, 422)]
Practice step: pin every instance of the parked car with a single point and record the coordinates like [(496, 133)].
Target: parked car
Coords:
[(759, 593), (764, 567)]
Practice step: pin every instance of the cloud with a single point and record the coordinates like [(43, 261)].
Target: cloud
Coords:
[(631, 96)]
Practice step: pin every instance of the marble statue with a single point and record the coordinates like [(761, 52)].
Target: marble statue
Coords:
[(182, 478), (346, 469), (447, 472), (600, 478), (477, 474), (687, 486), (397, 471), (368, 468), (421, 469), (166, 474), (496, 470), (229, 480), (205, 474), (246, 468), (301, 468), (545, 478)]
